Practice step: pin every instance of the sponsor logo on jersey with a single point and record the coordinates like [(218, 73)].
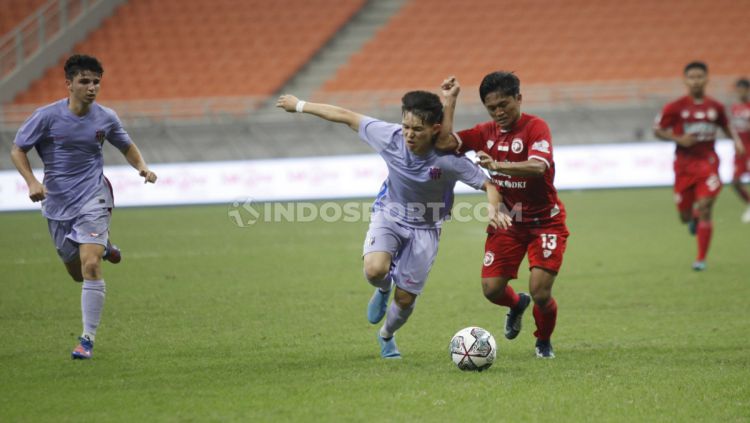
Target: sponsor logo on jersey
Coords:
[(489, 257), (503, 147), (435, 173), (100, 135), (511, 184), (703, 131), (517, 145), (490, 143), (542, 146)]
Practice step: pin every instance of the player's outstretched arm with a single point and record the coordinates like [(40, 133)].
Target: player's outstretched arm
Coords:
[(446, 141), (37, 191), (134, 157), (739, 147), (497, 219), (328, 112), (685, 140), (530, 168)]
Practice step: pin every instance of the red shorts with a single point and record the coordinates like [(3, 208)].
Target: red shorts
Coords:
[(695, 180), (741, 165), (504, 249)]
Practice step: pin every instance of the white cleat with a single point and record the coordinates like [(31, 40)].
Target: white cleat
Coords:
[(746, 215)]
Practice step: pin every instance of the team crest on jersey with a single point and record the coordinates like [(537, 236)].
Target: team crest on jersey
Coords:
[(490, 143), (100, 135), (489, 257), (547, 253), (517, 145), (712, 114), (685, 114), (435, 173), (542, 146)]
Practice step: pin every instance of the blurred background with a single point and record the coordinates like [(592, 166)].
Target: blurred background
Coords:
[(196, 80)]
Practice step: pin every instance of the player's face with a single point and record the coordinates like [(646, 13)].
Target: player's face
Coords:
[(743, 93), (418, 134), (503, 109), (84, 87), (696, 80)]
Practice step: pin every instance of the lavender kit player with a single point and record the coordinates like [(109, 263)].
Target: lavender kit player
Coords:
[(402, 241), (76, 198)]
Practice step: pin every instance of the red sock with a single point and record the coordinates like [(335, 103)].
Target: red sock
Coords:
[(705, 228), (545, 318), (509, 298)]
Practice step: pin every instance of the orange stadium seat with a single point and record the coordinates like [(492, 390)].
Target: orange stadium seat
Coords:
[(15, 11), (193, 48), (548, 42)]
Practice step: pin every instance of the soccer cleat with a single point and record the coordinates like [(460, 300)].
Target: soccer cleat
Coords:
[(84, 350), (746, 215), (693, 226), (699, 265), (112, 254), (377, 306), (388, 348), (514, 317), (544, 349)]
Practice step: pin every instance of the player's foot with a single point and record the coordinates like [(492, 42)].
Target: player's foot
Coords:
[(544, 349), (377, 305), (388, 348), (515, 316), (84, 350), (746, 215), (699, 265), (693, 226), (112, 254)]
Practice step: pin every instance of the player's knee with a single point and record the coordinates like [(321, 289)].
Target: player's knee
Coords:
[(91, 267), (375, 271), (492, 290), (404, 299), (541, 296)]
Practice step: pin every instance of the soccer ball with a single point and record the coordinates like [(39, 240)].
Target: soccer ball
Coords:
[(473, 348)]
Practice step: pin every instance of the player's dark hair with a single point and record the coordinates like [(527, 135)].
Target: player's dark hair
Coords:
[(743, 83), (78, 63), (505, 83), (424, 105), (695, 65)]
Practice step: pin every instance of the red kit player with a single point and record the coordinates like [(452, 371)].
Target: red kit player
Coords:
[(517, 149), (741, 124), (692, 122)]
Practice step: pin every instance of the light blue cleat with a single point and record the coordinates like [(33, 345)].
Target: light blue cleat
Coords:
[(388, 349), (699, 266), (377, 305)]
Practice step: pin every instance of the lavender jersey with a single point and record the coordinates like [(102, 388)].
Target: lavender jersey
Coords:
[(70, 147), (419, 189)]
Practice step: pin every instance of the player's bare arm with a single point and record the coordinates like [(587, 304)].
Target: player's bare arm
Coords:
[(37, 191), (530, 168), (450, 89), (328, 112), (134, 157), (729, 131), (497, 219), (685, 140)]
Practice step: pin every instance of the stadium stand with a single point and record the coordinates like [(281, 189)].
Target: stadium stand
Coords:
[(199, 49), (549, 42), (15, 11)]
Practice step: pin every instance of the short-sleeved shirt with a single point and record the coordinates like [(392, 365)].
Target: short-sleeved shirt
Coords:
[(70, 147), (529, 139), (741, 121), (418, 191), (700, 118)]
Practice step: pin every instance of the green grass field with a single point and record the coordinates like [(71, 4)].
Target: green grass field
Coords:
[(207, 321)]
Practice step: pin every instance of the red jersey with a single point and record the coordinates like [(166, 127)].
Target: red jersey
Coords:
[(703, 119), (535, 197), (741, 121)]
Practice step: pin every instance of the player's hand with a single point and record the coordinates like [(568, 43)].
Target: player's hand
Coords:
[(287, 102), (450, 87), (486, 161), (687, 140), (148, 176), (37, 191), (740, 149), (498, 219)]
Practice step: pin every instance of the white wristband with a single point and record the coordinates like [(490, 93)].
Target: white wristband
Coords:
[(300, 106)]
